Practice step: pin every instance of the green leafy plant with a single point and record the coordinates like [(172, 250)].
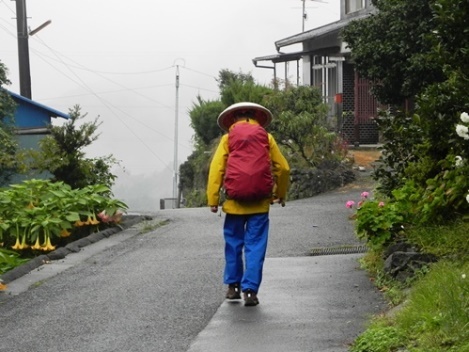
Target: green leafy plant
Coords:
[(381, 336), (9, 260), (402, 136), (445, 195), (37, 213), (375, 221)]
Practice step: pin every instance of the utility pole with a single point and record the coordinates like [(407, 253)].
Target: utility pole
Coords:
[(23, 49), (175, 165), (304, 15)]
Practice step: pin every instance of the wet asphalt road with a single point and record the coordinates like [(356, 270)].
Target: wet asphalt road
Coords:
[(162, 290)]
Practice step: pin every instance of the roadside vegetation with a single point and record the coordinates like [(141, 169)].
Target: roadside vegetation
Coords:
[(64, 195), (301, 128), (417, 55), (38, 215)]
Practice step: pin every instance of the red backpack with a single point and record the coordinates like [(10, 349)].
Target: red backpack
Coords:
[(248, 174)]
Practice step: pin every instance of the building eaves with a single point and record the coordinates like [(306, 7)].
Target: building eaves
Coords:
[(280, 57), (317, 32)]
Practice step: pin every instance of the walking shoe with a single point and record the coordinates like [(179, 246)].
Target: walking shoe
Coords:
[(250, 298), (233, 291)]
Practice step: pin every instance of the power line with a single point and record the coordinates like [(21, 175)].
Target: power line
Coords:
[(58, 57), (110, 106), (8, 7)]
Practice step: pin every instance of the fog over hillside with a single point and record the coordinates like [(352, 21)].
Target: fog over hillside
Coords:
[(142, 193)]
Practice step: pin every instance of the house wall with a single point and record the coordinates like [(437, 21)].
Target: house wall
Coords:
[(30, 116), (326, 66), (368, 8)]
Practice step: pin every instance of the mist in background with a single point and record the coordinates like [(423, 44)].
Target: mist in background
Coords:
[(118, 60)]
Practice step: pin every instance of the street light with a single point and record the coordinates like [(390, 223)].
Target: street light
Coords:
[(45, 24)]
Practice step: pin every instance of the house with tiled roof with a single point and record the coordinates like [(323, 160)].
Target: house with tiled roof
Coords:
[(326, 64)]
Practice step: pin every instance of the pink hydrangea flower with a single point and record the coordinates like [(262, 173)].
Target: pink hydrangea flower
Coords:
[(350, 204), (381, 204), (365, 195)]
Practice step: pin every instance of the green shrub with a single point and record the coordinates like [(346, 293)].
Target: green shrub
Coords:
[(379, 337), (9, 260), (377, 222), (36, 213), (402, 135)]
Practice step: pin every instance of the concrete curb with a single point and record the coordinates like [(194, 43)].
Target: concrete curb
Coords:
[(73, 247)]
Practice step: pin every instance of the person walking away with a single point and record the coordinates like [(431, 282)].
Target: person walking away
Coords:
[(253, 173)]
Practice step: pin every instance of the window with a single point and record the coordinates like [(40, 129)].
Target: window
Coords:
[(325, 76), (354, 5)]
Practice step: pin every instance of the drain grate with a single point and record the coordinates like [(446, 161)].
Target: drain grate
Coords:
[(347, 249)]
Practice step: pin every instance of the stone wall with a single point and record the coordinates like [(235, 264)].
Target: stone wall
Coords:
[(326, 177)]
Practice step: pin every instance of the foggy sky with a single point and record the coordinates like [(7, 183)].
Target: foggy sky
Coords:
[(117, 60)]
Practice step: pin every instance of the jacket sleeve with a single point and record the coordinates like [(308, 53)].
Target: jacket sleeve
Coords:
[(280, 167), (217, 172)]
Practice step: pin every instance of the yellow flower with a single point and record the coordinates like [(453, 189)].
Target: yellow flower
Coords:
[(79, 223), (36, 245), (47, 246), (65, 233), (23, 244), (17, 245), (92, 220)]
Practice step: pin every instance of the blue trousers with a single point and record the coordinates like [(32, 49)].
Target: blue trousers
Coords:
[(248, 234)]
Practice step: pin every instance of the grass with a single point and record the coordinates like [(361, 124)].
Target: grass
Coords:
[(443, 241), (435, 316), (148, 226)]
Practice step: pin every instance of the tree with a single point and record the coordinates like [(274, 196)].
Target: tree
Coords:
[(420, 50), (300, 124), (391, 48), (441, 103), (61, 153), (10, 159), (204, 120), (235, 88)]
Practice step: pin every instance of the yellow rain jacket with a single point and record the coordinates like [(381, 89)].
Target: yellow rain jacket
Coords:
[(280, 169)]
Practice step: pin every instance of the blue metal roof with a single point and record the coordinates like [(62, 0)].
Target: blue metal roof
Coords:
[(52, 112), (31, 114)]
